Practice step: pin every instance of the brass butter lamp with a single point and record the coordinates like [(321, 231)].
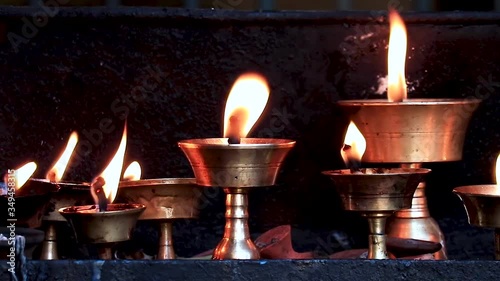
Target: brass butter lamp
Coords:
[(237, 163), (482, 204), (374, 193), (166, 200), (410, 132), (69, 194), (105, 223)]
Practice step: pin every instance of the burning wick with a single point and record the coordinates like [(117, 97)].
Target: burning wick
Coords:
[(352, 163), (237, 121), (98, 194), (51, 176)]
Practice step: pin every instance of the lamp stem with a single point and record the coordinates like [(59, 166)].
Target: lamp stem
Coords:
[(49, 246), (236, 243), (377, 239), (166, 247), (105, 252)]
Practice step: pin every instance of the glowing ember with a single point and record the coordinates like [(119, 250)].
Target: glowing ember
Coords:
[(133, 172), (24, 173), (56, 173), (396, 88), (354, 147), (107, 181), (244, 105)]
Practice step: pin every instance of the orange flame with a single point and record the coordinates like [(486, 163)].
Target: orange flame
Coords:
[(111, 174), (396, 84), (56, 173), (497, 172), (245, 104), (24, 173), (133, 172), (357, 143)]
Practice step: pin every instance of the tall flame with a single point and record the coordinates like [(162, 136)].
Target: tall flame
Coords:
[(56, 173), (133, 172), (497, 172), (24, 173), (396, 84), (245, 104), (111, 174), (354, 145)]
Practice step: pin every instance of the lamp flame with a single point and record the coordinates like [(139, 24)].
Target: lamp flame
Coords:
[(110, 177), (133, 172), (245, 104), (396, 84), (354, 146), (24, 173), (497, 172), (56, 173)]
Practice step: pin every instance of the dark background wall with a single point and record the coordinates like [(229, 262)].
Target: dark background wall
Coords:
[(168, 72)]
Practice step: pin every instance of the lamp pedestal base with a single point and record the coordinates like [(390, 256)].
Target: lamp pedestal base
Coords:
[(236, 243)]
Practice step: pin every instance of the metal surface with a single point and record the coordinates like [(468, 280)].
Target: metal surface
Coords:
[(482, 204), (413, 131), (114, 225), (377, 244), (237, 167), (49, 245), (255, 162), (165, 200), (416, 222), (69, 194), (236, 243), (166, 245), (376, 193)]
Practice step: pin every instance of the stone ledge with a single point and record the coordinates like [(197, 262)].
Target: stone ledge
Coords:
[(124, 270)]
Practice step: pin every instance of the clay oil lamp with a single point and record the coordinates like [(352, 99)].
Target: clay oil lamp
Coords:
[(237, 163)]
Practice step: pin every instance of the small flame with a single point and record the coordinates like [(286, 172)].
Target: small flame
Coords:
[(497, 172), (24, 173), (396, 88), (111, 175), (133, 172), (354, 145), (245, 104), (56, 173)]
